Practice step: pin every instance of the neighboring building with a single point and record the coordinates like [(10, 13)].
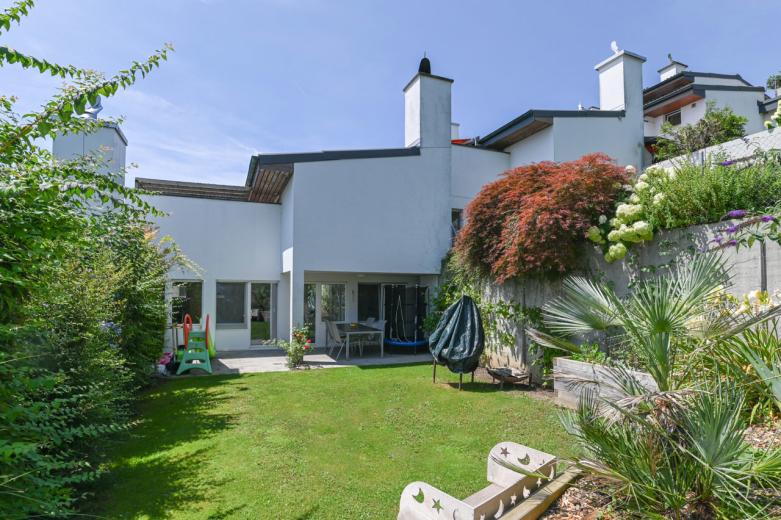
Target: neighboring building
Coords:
[(681, 97), (348, 235)]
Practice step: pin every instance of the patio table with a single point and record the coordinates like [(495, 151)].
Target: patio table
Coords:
[(359, 329)]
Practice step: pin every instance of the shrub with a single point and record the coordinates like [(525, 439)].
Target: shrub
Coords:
[(675, 451), (687, 195), (299, 345), (717, 126), (677, 455), (752, 358), (533, 219), (81, 299)]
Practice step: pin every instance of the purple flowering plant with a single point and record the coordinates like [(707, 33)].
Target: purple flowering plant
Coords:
[(756, 227)]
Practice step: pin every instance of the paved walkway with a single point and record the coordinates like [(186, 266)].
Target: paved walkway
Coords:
[(252, 361)]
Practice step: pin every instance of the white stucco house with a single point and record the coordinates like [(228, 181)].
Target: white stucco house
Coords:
[(352, 234)]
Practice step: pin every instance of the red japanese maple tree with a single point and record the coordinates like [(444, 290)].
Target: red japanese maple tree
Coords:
[(532, 220)]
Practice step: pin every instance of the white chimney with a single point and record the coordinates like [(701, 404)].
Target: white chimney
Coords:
[(107, 141), (671, 69), (621, 88), (455, 131), (427, 109), (621, 81)]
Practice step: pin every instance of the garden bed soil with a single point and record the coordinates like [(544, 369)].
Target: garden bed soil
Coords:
[(587, 499), (764, 436)]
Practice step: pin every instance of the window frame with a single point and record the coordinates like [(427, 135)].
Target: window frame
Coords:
[(244, 324), (176, 281), (674, 113)]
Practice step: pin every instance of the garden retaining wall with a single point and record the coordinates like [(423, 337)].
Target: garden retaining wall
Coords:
[(758, 267), (572, 378)]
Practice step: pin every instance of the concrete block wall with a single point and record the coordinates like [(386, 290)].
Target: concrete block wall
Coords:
[(754, 268)]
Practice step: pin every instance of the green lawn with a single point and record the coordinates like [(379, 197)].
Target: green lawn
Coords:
[(260, 330), (337, 443)]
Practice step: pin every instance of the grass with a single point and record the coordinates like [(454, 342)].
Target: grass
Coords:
[(336, 443), (260, 330)]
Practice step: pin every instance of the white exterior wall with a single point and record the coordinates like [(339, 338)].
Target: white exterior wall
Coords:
[(412, 114), (690, 114), (427, 112), (473, 168), (620, 138), (742, 103), (231, 242), (706, 80), (535, 148), (383, 215), (611, 85)]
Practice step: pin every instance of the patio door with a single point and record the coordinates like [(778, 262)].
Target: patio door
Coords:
[(323, 302), (262, 313)]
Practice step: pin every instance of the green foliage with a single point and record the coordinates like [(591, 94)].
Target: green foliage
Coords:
[(677, 455), (590, 353), (677, 450), (752, 358), (502, 319), (663, 320), (688, 195), (774, 80), (298, 346), (717, 126), (42, 438), (82, 310)]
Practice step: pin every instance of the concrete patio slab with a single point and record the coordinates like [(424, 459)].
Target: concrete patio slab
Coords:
[(254, 361)]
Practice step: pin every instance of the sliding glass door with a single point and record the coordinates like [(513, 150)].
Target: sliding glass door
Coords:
[(324, 302), (405, 308), (262, 312)]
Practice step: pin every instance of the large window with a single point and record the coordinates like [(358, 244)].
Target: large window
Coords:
[(187, 299), (332, 301), (368, 301), (231, 304), (261, 312)]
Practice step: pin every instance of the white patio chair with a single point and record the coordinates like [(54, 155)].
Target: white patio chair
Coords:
[(336, 337)]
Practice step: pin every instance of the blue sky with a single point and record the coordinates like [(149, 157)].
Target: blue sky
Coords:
[(305, 75)]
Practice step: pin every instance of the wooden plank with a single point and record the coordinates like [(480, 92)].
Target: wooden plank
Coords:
[(540, 501), (269, 183)]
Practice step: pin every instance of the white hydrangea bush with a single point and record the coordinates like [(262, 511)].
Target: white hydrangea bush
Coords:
[(630, 224)]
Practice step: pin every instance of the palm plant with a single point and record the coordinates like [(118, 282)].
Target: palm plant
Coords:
[(675, 451), (678, 458), (760, 348), (663, 320)]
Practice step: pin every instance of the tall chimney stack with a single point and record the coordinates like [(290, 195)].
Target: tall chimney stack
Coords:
[(427, 109), (108, 142), (671, 69)]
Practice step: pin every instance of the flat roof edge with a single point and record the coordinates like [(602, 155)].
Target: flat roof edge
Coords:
[(335, 155), (535, 114)]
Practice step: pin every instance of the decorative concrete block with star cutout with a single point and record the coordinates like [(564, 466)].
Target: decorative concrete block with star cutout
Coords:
[(515, 472)]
